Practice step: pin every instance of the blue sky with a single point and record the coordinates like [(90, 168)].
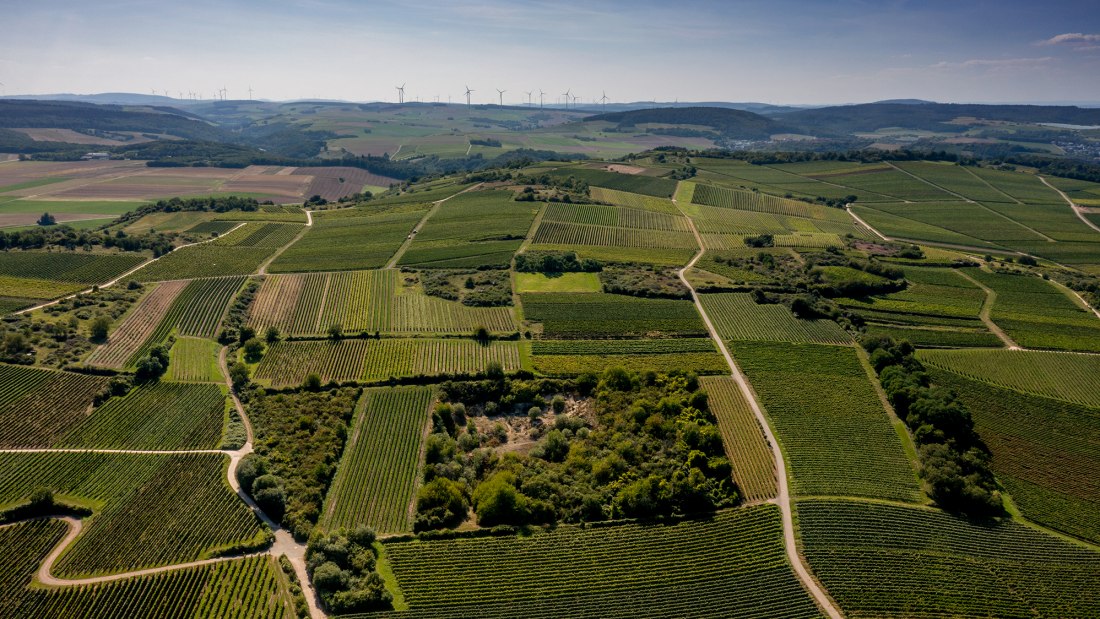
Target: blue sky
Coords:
[(779, 51)]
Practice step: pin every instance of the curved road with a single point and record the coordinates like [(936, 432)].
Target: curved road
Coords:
[(1072, 205), (783, 498)]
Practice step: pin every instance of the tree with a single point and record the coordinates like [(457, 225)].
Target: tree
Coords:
[(42, 498), (47, 220), (440, 503), (245, 334), (335, 331), (312, 382), (238, 375), (251, 467), (270, 496), (494, 370), (253, 350), (481, 334), (97, 331), (149, 369), (272, 334), (496, 501)]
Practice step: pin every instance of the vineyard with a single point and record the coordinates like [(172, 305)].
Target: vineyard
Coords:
[(180, 502), (39, 406), (68, 267), (474, 229), (194, 360), (889, 560), (250, 587), (589, 315), (1038, 315), (573, 357), (161, 416), (288, 363), (711, 195), (731, 565), (612, 226), (347, 243), (367, 302), (1073, 378), (633, 200), (745, 443), (138, 325), (207, 260), (1045, 452), (829, 421), (737, 317), (615, 217), (631, 183), (376, 478)]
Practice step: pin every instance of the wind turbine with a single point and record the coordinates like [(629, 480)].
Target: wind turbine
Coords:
[(566, 95), (501, 94), (575, 98), (603, 99), (529, 93), (249, 93), (468, 91), (224, 93), (541, 94), (400, 93)]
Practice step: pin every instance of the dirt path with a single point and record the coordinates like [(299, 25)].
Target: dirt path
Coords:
[(987, 309), (859, 220), (420, 224), (309, 224), (783, 498), (120, 277), (1076, 209)]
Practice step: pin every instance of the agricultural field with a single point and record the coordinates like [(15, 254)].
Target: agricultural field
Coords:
[(376, 478), (896, 561), (832, 426), (339, 243), (729, 565), (247, 587), (746, 445), (29, 277), (37, 407), (557, 282), (737, 317), (633, 183), (194, 360), (168, 416), (289, 363), (574, 357), (1036, 314), (633, 200), (1045, 452), (366, 302), (581, 316), (471, 230), (240, 252), (580, 226), (182, 521)]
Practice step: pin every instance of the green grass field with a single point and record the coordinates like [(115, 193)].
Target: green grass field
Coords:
[(559, 282)]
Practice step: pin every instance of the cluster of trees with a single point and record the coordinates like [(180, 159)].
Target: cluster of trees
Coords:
[(555, 262), (954, 461), (760, 240), (343, 568), (267, 489), (643, 280), (299, 439), (651, 449), (71, 239), (485, 288), (153, 365)]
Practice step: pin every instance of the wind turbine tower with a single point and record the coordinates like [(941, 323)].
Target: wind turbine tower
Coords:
[(566, 95), (541, 95), (603, 99), (249, 93), (500, 93), (400, 93), (529, 93), (468, 92)]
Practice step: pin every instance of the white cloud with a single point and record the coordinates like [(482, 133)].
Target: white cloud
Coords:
[(994, 63), (1071, 38)]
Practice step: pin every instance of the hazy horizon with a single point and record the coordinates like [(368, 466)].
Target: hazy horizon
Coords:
[(788, 52)]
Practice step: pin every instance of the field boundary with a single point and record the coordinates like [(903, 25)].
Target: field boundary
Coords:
[(987, 310), (1072, 205), (420, 224), (309, 224)]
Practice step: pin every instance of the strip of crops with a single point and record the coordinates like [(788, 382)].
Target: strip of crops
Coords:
[(194, 360), (942, 338), (811, 240), (160, 416), (37, 406), (931, 292), (207, 260), (555, 233), (1069, 377), (196, 311), (573, 365), (731, 565), (745, 443), (376, 478), (596, 215), (711, 195), (584, 315), (633, 200), (70, 267), (1038, 315), (888, 560), (156, 510), (622, 347), (346, 243), (1046, 452), (137, 326), (249, 587), (212, 227), (828, 419), (288, 363), (737, 317)]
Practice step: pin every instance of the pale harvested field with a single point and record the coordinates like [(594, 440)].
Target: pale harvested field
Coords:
[(39, 134)]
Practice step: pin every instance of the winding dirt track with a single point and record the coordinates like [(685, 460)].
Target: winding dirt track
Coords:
[(987, 310), (783, 498), (1076, 209)]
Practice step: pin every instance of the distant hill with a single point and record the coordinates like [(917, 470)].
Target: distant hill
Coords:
[(848, 119), (90, 117), (107, 98), (729, 123)]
